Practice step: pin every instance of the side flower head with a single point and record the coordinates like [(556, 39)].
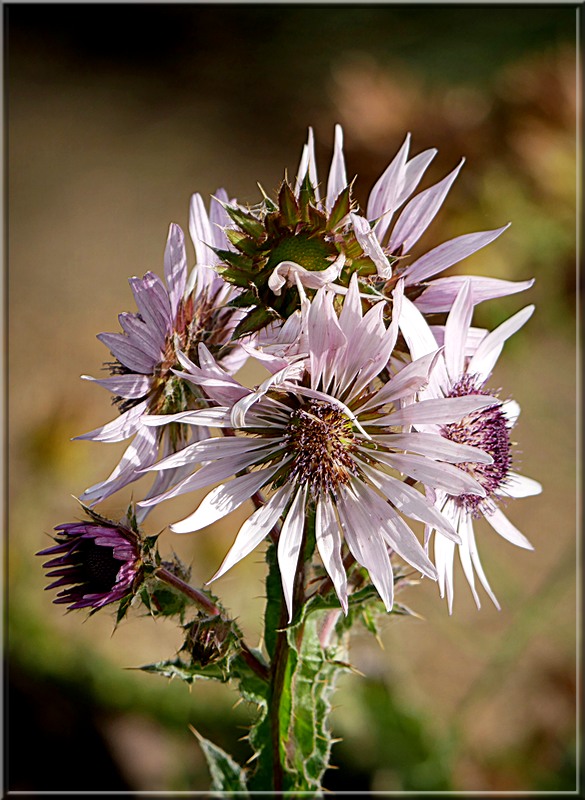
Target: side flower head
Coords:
[(95, 563), (323, 439), (174, 315), (464, 369), (322, 240)]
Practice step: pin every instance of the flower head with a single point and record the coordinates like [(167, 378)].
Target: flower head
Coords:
[(321, 437), (465, 367), (174, 315), (98, 562), (304, 238)]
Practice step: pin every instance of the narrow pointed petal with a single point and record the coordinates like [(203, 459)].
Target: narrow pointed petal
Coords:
[(289, 546), (337, 180), (449, 253), (212, 417), (130, 387), (437, 474), (466, 532), (141, 452), (413, 171), (370, 245), (438, 411), (394, 530), (201, 232), (520, 486), (456, 328), (435, 446), (502, 525), (478, 567), (224, 499), (329, 547), (484, 360), (366, 545), (325, 337), (444, 558), (409, 501), (153, 303), (255, 529), (419, 213), (120, 428), (441, 293), (175, 261), (410, 379), (129, 354), (382, 201)]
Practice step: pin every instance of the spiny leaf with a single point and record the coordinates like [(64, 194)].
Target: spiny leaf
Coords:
[(289, 208), (248, 223), (254, 321), (226, 775)]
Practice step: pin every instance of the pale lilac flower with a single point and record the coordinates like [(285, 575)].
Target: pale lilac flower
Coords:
[(465, 366), (97, 562), (313, 239), (318, 435), (174, 316)]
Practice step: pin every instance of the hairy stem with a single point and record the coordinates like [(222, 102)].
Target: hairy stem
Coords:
[(208, 606)]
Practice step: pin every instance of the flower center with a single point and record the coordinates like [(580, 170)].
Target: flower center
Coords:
[(321, 441), (487, 429)]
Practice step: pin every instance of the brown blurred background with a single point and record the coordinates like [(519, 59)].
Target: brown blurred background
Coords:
[(115, 115)]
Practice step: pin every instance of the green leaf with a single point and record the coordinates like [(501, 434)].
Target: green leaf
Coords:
[(248, 223), (254, 321), (289, 207), (177, 668), (340, 210), (226, 775)]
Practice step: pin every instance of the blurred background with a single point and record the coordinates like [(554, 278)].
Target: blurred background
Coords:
[(115, 115)]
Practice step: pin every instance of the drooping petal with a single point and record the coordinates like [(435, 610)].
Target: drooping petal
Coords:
[(129, 386), (520, 486), (366, 545), (288, 272), (451, 479), (502, 525), (255, 529), (449, 253), (224, 499), (140, 453), (289, 546), (329, 547), (120, 428), (370, 245)]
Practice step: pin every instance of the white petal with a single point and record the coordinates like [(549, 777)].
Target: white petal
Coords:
[(120, 428), (502, 525), (329, 547), (520, 486), (366, 545), (444, 557), (466, 532), (456, 329), (449, 253), (384, 197), (255, 529), (420, 212), (129, 386), (483, 362), (438, 411), (289, 546), (406, 382), (224, 499), (440, 294), (435, 446), (337, 176), (288, 272), (478, 567), (437, 474), (175, 261), (370, 245)]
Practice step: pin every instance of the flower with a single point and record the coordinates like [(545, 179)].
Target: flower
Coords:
[(468, 359), (320, 438), (317, 241), (98, 562), (174, 316)]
